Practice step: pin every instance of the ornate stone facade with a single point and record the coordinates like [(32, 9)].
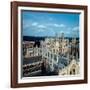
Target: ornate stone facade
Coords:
[(60, 55)]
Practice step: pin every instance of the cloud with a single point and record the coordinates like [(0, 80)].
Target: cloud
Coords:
[(48, 29), (68, 33), (25, 26), (29, 24), (40, 30), (56, 25), (61, 31), (76, 28), (59, 25), (41, 26), (34, 24)]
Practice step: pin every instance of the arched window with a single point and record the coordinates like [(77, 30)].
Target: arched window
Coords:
[(73, 71), (70, 72), (51, 55), (48, 54), (55, 57)]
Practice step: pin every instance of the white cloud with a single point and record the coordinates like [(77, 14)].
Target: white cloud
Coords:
[(40, 30), (41, 26), (59, 25), (34, 24), (26, 26), (61, 31), (29, 24), (76, 28), (56, 25), (67, 32)]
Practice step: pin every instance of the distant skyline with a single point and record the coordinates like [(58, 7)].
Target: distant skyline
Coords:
[(49, 24)]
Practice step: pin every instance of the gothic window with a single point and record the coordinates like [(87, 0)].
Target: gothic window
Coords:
[(48, 54), (73, 71), (54, 50), (51, 56), (55, 57), (70, 72), (45, 54)]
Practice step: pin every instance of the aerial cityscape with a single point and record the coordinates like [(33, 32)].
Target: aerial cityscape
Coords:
[(50, 44)]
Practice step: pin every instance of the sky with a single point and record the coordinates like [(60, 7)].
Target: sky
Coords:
[(49, 24)]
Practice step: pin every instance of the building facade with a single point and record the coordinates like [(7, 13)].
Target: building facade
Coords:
[(59, 54)]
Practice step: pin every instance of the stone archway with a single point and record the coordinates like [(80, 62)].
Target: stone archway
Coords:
[(73, 70)]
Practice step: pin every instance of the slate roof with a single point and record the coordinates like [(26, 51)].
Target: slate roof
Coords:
[(63, 62), (31, 60)]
